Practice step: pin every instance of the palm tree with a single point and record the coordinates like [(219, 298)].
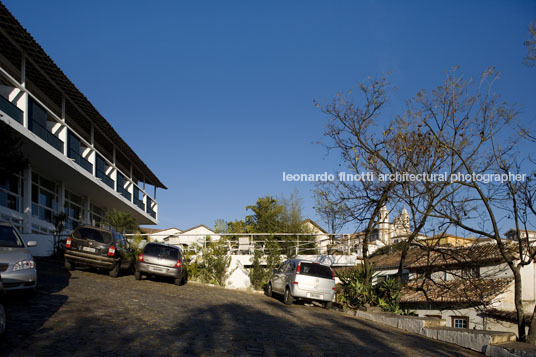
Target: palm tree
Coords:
[(123, 222)]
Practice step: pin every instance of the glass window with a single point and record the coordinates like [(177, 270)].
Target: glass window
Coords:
[(11, 192), (166, 252), (315, 269), (9, 238), (93, 234), (460, 322), (44, 198)]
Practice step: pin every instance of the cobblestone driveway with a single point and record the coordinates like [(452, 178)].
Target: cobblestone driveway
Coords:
[(89, 313)]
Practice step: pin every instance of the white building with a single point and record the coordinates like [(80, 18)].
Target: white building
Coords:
[(78, 163), (468, 285), (196, 235)]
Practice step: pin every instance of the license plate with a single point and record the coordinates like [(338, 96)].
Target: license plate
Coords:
[(89, 249), (315, 296), (156, 269)]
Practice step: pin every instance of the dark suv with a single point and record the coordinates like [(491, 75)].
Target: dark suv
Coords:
[(162, 260), (98, 248)]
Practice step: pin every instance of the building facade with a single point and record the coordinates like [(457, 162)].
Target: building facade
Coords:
[(78, 163)]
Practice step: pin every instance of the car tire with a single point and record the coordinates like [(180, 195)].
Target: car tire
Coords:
[(69, 266), (137, 275), (269, 291), (114, 273), (287, 298), (3, 319), (178, 281), (328, 305)]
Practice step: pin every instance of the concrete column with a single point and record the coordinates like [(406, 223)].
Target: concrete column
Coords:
[(23, 101), (27, 200)]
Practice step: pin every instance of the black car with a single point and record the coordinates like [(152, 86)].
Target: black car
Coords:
[(162, 260), (98, 248), (3, 314)]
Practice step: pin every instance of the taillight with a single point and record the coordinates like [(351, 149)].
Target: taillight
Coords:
[(298, 268), (140, 257), (178, 264), (68, 243), (111, 251), (295, 283)]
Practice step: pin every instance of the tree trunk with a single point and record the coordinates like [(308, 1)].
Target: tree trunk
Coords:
[(520, 312), (366, 260), (402, 261)]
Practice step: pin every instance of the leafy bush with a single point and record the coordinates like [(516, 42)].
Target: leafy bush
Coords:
[(259, 274), (388, 295), (211, 264), (354, 293)]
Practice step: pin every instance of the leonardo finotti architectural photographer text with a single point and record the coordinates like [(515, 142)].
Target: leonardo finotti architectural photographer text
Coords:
[(404, 176)]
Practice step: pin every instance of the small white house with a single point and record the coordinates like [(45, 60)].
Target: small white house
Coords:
[(195, 235)]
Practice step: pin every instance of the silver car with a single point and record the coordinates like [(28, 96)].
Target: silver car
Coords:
[(299, 279), (162, 260), (17, 265)]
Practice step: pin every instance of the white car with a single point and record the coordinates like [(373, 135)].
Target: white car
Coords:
[(17, 266), (303, 280)]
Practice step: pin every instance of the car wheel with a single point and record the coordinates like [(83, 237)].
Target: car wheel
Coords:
[(178, 281), (269, 291), (287, 298), (114, 273), (69, 266), (3, 319), (328, 305), (137, 275)]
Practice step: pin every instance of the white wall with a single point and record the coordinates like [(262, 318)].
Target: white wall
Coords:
[(45, 244)]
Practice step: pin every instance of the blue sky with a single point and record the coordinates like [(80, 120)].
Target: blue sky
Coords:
[(217, 96)]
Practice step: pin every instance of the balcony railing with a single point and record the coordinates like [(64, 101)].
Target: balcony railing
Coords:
[(81, 161), (139, 203), (47, 136), (124, 192), (150, 211), (105, 178), (11, 109)]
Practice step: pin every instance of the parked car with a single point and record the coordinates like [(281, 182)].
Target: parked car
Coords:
[(299, 279), (162, 260), (17, 264), (98, 248), (3, 314)]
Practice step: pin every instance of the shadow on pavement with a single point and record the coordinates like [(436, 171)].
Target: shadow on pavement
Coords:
[(28, 312)]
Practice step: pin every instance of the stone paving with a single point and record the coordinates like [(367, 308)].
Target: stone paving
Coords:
[(86, 312)]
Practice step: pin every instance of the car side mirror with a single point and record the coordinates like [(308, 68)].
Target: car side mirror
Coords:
[(32, 243)]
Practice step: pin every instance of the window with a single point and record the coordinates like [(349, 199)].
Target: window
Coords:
[(97, 215), (315, 269), (460, 321), (11, 192), (73, 209), (44, 198)]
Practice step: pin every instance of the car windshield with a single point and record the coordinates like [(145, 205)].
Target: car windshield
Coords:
[(161, 251), (9, 238), (93, 234), (318, 270)]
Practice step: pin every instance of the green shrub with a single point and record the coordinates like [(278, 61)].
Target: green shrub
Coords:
[(211, 264)]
